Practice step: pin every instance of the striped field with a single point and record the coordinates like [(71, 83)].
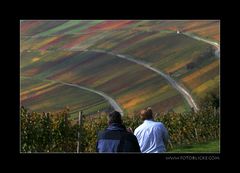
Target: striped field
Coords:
[(56, 50)]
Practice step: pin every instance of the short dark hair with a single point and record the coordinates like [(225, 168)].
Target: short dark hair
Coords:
[(146, 114), (114, 117)]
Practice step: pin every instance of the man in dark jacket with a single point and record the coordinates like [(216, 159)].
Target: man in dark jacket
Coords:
[(116, 138)]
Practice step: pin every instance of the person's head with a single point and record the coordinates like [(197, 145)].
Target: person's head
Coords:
[(146, 114), (114, 117)]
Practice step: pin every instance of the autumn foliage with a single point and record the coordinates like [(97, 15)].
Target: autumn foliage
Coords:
[(53, 132)]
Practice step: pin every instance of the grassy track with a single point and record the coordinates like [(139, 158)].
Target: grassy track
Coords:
[(212, 146)]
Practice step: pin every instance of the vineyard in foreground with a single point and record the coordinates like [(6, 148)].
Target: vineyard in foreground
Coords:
[(53, 132)]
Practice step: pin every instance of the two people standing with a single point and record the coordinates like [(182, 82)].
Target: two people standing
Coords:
[(149, 137)]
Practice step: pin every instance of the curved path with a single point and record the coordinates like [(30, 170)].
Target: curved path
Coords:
[(174, 84), (111, 101), (215, 44)]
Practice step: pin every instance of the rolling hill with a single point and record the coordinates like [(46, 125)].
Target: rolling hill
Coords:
[(83, 52)]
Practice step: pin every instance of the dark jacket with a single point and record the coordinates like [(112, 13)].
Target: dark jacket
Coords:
[(116, 138)]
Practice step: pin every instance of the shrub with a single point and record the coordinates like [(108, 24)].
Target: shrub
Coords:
[(49, 132)]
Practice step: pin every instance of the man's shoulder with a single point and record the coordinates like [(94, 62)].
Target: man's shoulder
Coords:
[(139, 128), (129, 136), (158, 124), (103, 132)]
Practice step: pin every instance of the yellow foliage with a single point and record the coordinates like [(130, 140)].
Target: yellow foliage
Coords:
[(177, 66), (44, 42), (133, 102), (34, 59), (200, 72), (37, 90), (206, 86), (136, 98)]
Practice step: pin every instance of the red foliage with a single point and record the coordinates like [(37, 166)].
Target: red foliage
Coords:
[(26, 25)]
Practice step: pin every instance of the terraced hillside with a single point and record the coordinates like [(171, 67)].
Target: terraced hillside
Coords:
[(84, 53)]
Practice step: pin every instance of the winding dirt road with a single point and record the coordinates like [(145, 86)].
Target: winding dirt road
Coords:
[(111, 101), (215, 44), (173, 83)]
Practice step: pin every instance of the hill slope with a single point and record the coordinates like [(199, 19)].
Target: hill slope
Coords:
[(56, 50)]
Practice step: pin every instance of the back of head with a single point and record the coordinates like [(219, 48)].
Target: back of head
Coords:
[(114, 117), (146, 114)]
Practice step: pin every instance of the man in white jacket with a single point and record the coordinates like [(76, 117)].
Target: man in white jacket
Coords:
[(152, 136)]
